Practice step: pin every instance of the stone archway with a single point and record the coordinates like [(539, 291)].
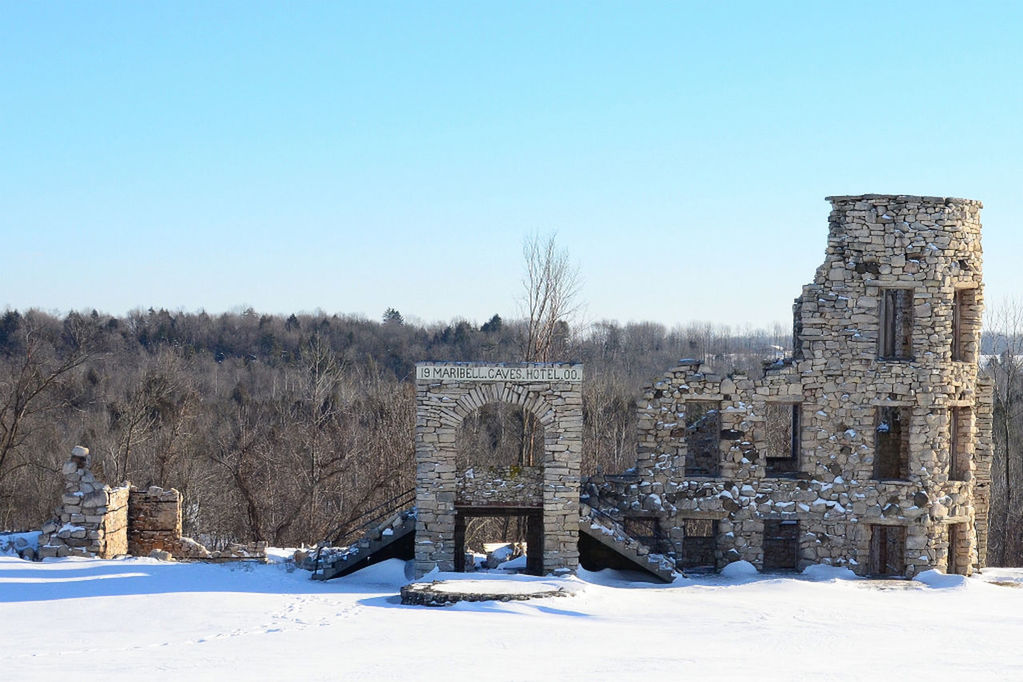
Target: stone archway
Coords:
[(445, 394)]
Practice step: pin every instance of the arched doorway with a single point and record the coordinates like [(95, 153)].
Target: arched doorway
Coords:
[(453, 401)]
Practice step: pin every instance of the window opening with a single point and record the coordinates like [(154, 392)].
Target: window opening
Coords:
[(896, 337), (781, 545), (958, 443), (699, 545), (958, 549), (782, 442), (646, 529), (964, 325), (514, 538), (887, 551), (703, 437), (891, 444)]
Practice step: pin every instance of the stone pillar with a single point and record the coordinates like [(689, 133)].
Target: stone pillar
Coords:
[(92, 519)]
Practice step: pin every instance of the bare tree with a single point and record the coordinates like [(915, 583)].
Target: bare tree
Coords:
[(551, 288), (1005, 338), (29, 386)]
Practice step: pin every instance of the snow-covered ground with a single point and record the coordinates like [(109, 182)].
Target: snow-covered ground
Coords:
[(136, 619)]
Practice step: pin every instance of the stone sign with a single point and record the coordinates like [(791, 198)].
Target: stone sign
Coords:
[(524, 373)]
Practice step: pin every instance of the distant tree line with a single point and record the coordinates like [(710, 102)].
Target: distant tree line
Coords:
[(285, 427)]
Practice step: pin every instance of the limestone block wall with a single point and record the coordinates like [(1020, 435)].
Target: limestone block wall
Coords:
[(889, 326), (154, 520), (445, 394), (92, 519)]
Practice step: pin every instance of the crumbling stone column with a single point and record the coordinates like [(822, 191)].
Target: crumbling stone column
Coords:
[(982, 457), (93, 517)]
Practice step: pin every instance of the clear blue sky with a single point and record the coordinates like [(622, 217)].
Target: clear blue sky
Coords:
[(355, 156)]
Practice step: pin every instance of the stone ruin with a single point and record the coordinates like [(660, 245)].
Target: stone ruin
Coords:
[(95, 520), (544, 493), (93, 517), (869, 448)]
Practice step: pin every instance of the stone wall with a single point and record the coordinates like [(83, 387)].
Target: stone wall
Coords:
[(441, 405), (154, 529), (483, 486), (983, 455), (92, 519), (154, 521), (870, 368), (95, 520)]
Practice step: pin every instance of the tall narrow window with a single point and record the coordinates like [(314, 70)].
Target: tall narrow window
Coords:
[(782, 441), (965, 321), (959, 419), (891, 443), (896, 329), (703, 437)]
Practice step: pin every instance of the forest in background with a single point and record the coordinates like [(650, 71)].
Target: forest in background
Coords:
[(287, 428), (280, 428)]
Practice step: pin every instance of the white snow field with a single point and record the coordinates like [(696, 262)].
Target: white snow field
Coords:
[(131, 619)]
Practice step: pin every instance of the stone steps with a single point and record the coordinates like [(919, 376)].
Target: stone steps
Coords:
[(393, 538), (612, 535)]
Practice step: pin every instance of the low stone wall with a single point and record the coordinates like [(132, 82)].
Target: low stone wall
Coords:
[(442, 593), (154, 529), (494, 486)]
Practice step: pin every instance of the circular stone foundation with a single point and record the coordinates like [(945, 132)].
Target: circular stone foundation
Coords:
[(445, 592)]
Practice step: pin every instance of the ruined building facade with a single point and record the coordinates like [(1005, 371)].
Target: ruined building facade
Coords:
[(870, 448)]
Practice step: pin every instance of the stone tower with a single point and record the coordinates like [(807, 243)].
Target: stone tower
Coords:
[(887, 342), (870, 447)]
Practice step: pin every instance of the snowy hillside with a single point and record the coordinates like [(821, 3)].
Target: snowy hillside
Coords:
[(136, 619)]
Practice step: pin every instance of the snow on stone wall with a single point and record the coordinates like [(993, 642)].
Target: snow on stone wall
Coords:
[(858, 352)]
